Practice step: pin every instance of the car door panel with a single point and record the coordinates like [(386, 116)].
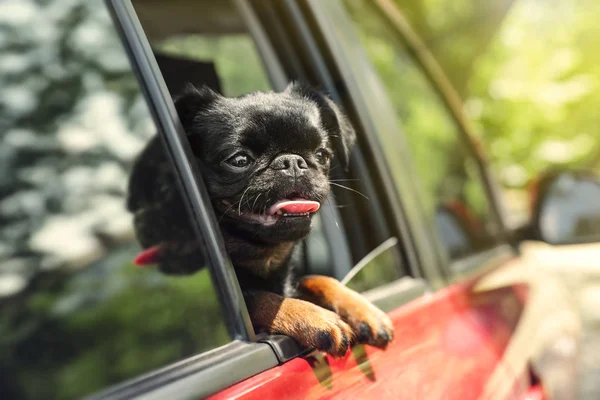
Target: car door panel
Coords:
[(447, 345)]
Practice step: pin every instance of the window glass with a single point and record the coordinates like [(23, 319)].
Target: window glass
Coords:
[(378, 268), (75, 314), (453, 191)]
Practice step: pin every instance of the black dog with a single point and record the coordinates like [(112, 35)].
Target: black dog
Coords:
[(265, 158)]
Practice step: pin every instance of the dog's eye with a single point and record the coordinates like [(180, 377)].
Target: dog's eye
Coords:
[(240, 160), (322, 156)]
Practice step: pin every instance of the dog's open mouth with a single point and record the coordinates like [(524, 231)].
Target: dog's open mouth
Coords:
[(283, 209), (286, 208)]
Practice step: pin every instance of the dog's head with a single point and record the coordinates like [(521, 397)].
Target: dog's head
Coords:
[(265, 157)]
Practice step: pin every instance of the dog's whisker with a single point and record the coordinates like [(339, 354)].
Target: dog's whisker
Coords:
[(267, 201), (350, 189), (334, 219), (225, 212), (255, 200), (240, 202), (316, 239)]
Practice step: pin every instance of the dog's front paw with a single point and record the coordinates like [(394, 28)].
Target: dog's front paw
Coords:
[(310, 325), (321, 329), (369, 324)]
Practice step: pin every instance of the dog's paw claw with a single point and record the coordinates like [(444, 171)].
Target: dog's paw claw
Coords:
[(370, 325), (335, 341), (323, 330)]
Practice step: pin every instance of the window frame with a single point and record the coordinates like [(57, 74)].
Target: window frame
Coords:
[(506, 246), (441, 85), (246, 355), (189, 179), (380, 122), (374, 117)]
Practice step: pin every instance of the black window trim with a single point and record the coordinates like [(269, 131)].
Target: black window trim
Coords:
[(440, 83), (169, 127), (318, 72), (209, 372)]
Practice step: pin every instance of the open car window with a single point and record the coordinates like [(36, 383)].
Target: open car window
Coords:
[(77, 315)]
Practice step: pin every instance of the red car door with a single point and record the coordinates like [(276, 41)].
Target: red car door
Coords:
[(447, 346), (487, 338), (463, 342)]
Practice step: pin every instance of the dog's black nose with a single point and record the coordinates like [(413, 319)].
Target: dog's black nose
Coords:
[(289, 164)]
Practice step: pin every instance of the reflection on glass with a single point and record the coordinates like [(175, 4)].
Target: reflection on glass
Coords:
[(454, 236), (377, 268), (75, 315), (571, 210)]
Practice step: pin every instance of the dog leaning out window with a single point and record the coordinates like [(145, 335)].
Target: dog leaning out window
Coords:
[(265, 158)]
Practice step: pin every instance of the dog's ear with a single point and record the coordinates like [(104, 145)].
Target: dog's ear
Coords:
[(191, 101), (340, 129)]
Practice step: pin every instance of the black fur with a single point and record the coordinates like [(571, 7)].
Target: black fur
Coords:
[(266, 126)]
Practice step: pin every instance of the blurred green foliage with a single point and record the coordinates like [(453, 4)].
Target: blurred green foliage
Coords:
[(75, 315), (528, 71), (444, 168), (79, 333)]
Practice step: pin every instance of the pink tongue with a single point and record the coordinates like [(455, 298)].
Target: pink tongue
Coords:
[(148, 257), (295, 206)]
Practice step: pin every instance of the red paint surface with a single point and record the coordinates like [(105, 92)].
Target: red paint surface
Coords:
[(535, 393), (446, 347)]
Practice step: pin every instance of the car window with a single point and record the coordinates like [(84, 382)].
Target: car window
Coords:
[(377, 268), (75, 314), (452, 188)]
